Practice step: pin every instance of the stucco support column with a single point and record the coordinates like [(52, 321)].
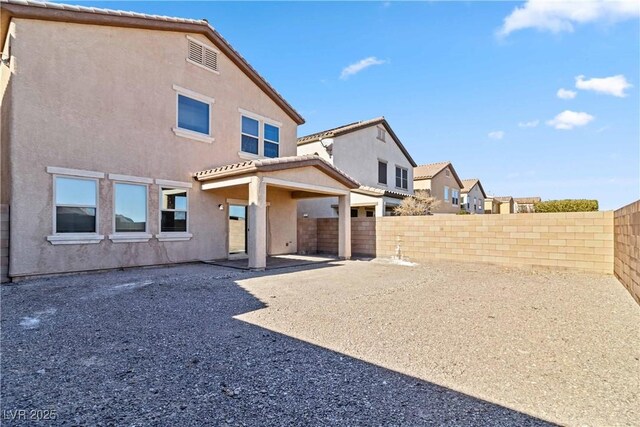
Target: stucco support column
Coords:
[(257, 230), (344, 226), (380, 208)]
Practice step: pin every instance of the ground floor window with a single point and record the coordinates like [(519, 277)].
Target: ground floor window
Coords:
[(76, 205), (354, 213), (173, 210), (130, 208)]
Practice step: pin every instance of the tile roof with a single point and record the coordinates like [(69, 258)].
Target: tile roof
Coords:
[(527, 200), (503, 198), (83, 14), (378, 192), (279, 163), (352, 127), (469, 183), (429, 170)]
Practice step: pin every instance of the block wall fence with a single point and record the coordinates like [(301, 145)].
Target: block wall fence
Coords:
[(599, 242), (4, 243), (582, 241), (626, 232)]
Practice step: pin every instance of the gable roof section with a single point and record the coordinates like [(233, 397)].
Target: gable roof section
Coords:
[(430, 170), (280, 163), (29, 9), (352, 127), (468, 185)]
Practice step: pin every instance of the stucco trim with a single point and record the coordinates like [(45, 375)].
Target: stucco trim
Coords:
[(259, 117), (74, 172), (173, 237), (225, 183), (169, 183), (183, 133), (303, 186), (75, 239), (130, 178), (130, 237)]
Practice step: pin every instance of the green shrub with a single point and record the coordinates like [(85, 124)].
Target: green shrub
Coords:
[(567, 205), (463, 212)]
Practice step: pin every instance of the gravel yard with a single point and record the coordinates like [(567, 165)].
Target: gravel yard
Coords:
[(347, 343)]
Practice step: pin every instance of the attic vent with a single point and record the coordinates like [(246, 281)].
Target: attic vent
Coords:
[(202, 55)]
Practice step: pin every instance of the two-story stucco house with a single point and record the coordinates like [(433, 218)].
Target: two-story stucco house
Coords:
[(473, 196), (442, 182), (130, 140), (371, 153)]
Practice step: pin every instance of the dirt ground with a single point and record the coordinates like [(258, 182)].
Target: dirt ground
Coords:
[(560, 346), (335, 343)]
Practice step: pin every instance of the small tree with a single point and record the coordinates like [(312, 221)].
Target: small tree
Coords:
[(420, 203)]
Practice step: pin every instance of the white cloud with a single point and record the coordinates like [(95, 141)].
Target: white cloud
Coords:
[(566, 94), (558, 16), (496, 134), (356, 67), (614, 85), (570, 119), (531, 124)]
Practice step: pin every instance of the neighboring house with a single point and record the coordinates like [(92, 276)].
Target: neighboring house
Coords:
[(442, 182), (473, 196), (506, 204), (491, 205), (371, 153), (525, 204), (130, 140)]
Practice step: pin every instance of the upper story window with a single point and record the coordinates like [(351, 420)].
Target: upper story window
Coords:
[(455, 194), (402, 178), (76, 204), (202, 55), (446, 193), (259, 136), (250, 135), (382, 172), (193, 115), (382, 134), (271, 140)]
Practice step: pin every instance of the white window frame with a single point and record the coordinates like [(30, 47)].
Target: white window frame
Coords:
[(74, 238), (207, 47), (173, 236), (186, 133), (395, 176), (455, 197), (446, 193), (133, 236), (265, 140), (262, 120)]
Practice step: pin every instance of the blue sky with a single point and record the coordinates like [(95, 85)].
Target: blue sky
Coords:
[(470, 82)]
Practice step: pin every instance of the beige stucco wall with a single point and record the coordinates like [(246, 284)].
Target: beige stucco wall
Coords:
[(491, 206), (101, 99), (475, 192), (436, 186)]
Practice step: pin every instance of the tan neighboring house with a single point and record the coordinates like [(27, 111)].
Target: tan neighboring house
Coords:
[(370, 152), (491, 205), (525, 204), (473, 196), (442, 182), (506, 204), (131, 140)]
